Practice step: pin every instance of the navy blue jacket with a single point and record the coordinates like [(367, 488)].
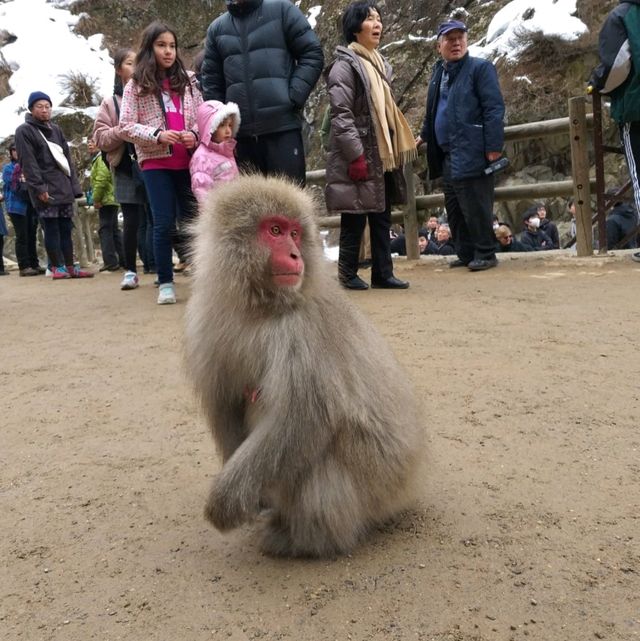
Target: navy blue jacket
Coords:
[(475, 113)]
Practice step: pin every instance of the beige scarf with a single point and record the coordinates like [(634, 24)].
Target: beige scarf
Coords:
[(396, 142)]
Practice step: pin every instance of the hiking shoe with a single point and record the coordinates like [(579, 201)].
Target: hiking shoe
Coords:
[(166, 294), (59, 273), (28, 271), (129, 281), (76, 272)]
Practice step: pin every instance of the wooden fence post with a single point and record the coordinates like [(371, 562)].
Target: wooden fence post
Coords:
[(580, 173), (598, 150), (85, 221), (79, 244), (411, 215)]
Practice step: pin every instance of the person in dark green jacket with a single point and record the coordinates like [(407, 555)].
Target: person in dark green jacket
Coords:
[(107, 207), (618, 75)]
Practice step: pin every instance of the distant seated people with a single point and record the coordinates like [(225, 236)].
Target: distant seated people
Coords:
[(399, 243), (532, 237), (548, 227), (507, 242), (443, 245), (621, 221), (573, 229), (431, 227), (423, 241)]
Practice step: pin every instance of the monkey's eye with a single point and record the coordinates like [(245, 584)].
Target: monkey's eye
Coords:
[(294, 233), (275, 230)]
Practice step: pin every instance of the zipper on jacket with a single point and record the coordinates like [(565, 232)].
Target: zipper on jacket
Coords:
[(244, 28)]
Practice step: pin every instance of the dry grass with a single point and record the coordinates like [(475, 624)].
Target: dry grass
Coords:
[(81, 90)]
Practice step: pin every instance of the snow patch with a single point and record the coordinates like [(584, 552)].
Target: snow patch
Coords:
[(46, 49), (553, 18)]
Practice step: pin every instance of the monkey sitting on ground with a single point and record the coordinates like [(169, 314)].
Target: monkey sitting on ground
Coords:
[(311, 413)]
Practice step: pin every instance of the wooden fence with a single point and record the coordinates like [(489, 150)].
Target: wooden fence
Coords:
[(576, 125)]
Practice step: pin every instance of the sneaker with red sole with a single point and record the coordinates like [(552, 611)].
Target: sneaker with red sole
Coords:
[(59, 273)]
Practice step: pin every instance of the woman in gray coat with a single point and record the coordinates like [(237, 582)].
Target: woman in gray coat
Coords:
[(369, 143)]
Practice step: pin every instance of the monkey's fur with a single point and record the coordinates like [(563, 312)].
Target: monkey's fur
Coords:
[(312, 415)]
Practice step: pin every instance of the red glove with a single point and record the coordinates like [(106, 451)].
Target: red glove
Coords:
[(358, 169)]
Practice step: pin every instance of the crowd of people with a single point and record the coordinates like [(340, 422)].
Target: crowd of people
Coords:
[(168, 135)]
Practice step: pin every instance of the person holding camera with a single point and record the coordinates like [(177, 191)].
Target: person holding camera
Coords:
[(464, 131)]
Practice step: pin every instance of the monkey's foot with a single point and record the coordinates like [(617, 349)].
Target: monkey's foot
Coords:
[(276, 537)]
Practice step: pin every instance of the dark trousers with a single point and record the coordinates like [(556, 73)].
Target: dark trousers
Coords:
[(26, 228), (172, 201), (131, 215), (1, 250), (145, 239), (351, 230), (469, 205), (274, 154), (57, 240), (110, 236)]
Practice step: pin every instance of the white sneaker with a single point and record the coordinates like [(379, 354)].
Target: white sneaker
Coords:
[(129, 281), (48, 273), (166, 294)]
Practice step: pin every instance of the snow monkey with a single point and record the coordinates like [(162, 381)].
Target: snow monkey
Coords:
[(311, 414)]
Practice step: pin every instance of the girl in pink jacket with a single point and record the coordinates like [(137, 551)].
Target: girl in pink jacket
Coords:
[(158, 116), (214, 160)]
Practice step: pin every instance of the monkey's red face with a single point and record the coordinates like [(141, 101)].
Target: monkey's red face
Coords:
[(283, 237)]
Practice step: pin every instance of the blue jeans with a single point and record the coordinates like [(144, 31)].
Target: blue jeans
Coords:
[(171, 201)]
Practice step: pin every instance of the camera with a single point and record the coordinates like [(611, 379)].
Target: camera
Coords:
[(498, 165)]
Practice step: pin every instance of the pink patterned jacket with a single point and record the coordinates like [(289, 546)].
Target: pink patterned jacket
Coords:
[(106, 131), (142, 119)]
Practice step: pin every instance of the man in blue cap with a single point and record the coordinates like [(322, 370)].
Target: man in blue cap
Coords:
[(464, 131)]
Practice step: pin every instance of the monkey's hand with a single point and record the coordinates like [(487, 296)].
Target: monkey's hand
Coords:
[(231, 503)]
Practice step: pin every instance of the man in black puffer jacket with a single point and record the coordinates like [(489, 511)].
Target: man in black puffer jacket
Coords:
[(264, 56)]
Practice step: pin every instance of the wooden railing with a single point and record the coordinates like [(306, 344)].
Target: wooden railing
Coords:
[(576, 125)]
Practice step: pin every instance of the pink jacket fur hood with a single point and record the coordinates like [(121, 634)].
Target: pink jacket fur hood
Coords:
[(213, 162)]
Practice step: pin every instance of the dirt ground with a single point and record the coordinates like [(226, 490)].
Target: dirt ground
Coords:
[(529, 523)]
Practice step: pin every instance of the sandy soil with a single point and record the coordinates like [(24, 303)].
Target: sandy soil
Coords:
[(529, 521)]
